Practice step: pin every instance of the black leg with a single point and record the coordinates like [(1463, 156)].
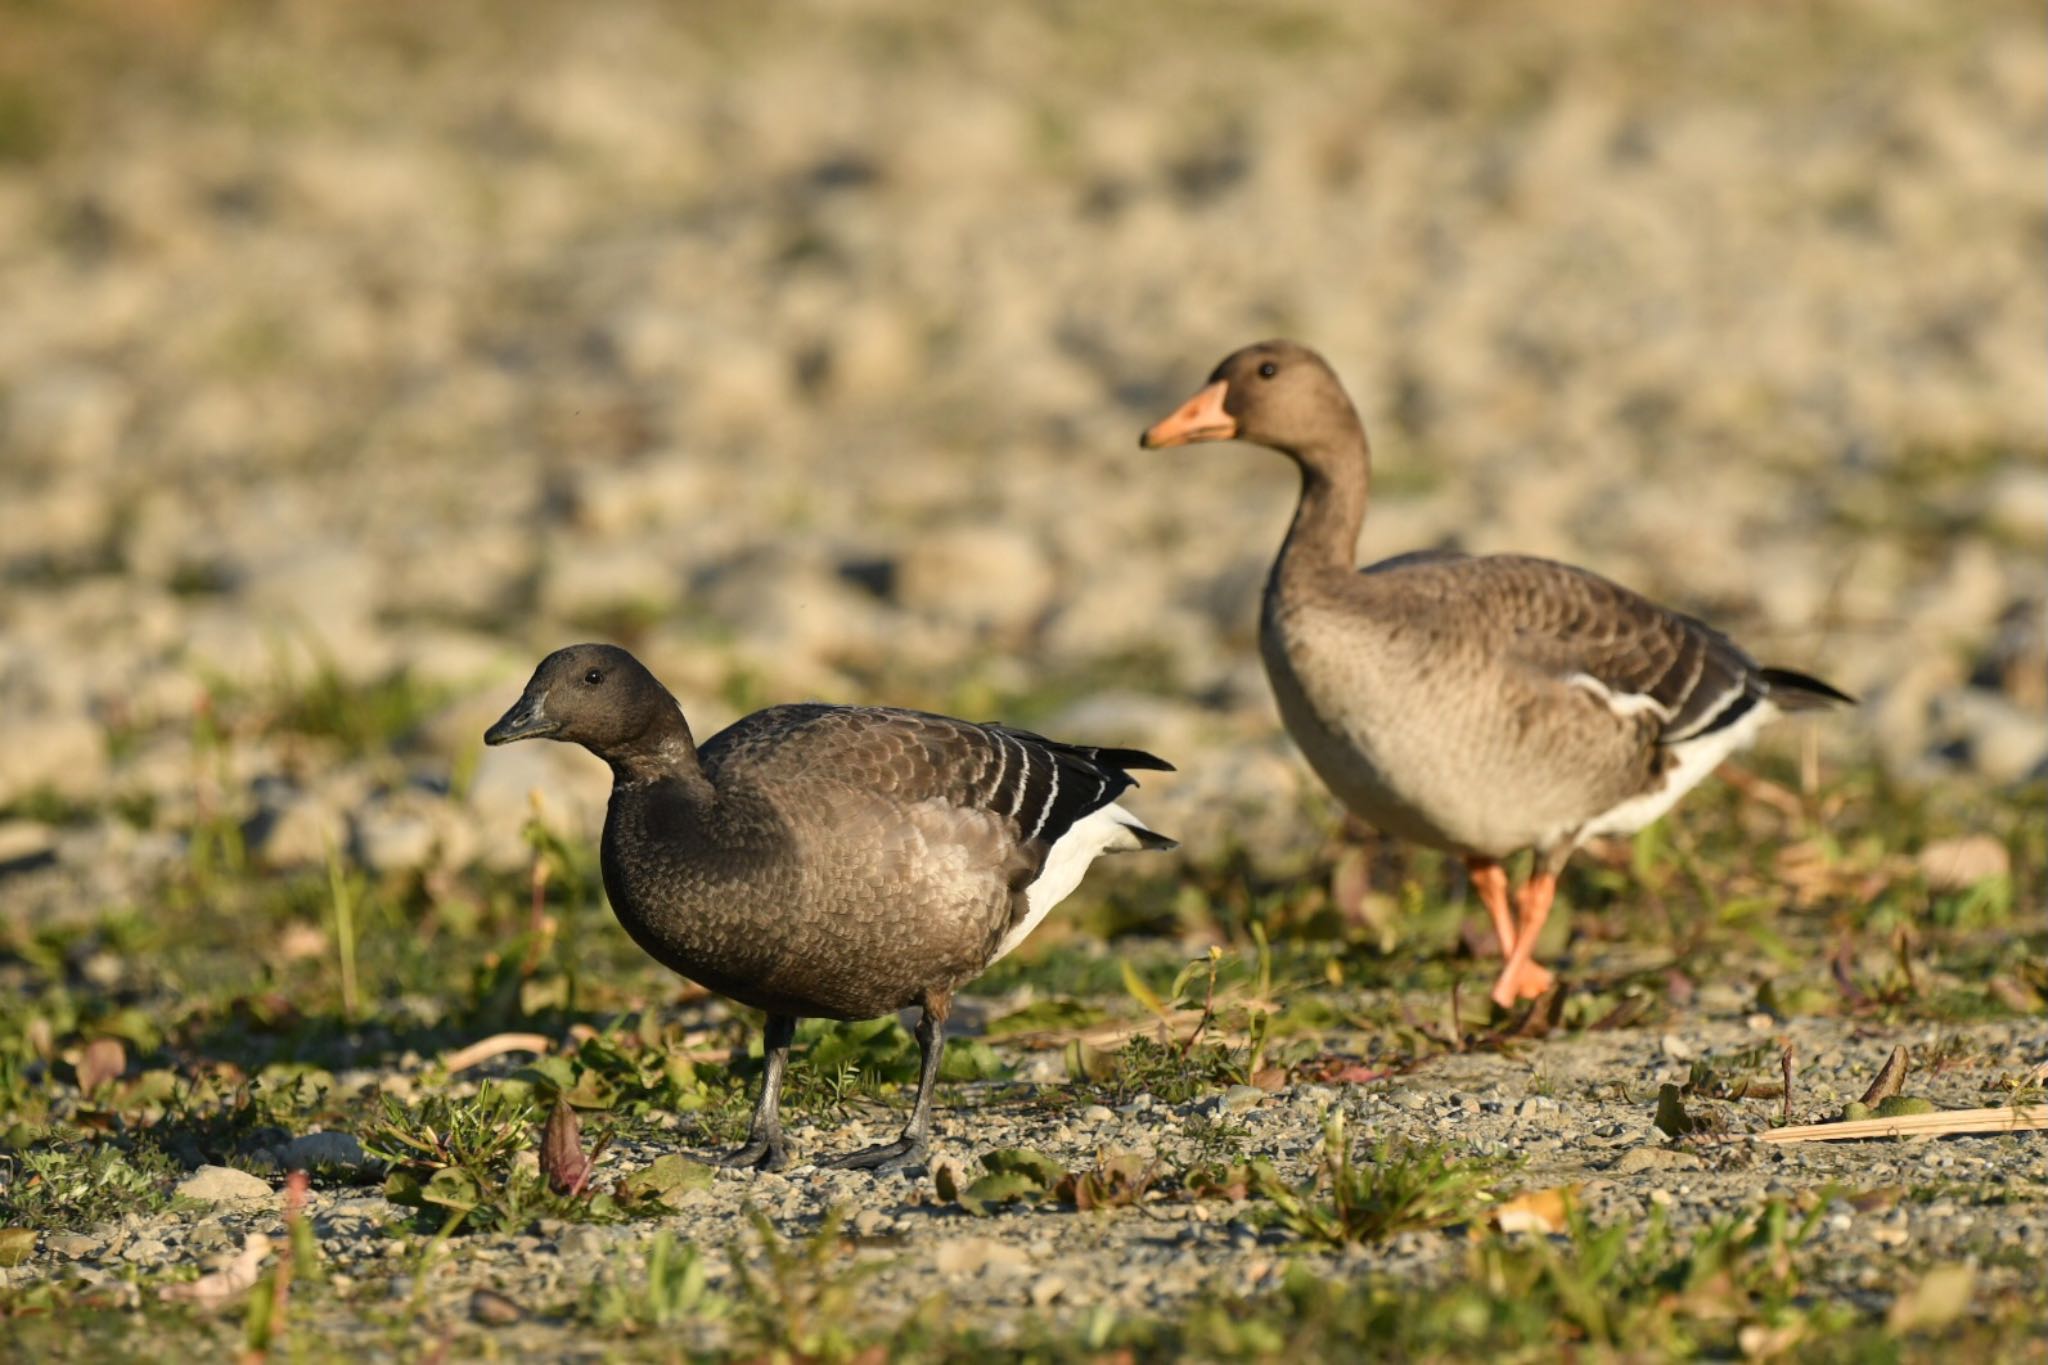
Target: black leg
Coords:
[(765, 1150), (910, 1150)]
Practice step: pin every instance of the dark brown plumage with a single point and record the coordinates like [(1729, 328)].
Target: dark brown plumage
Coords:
[(1477, 704), (841, 862)]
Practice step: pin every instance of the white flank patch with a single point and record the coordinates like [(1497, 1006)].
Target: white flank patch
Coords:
[(1107, 830), (1696, 758), (1623, 704)]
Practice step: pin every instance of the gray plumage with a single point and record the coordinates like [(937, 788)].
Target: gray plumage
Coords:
[(840, 862), (1481, 705)]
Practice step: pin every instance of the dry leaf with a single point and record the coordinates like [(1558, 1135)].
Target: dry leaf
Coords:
[(104, 1060), (1942, 1296), (561, 1152), (1333, 1070), (302, 942), (1539, 1211), (1889, 1080), (2015, 995), (1759, 1342), (230, 1282)]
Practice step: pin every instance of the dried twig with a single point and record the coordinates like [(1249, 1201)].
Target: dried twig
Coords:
[(1902, 945), (1948, 1123), (228, 1283), (496, 1045), (1785, 1066), (1762, 789)]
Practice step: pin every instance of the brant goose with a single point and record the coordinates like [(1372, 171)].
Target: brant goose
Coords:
[(841, 862)]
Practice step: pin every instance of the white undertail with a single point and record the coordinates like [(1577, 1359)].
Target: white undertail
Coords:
[(1108, 830)]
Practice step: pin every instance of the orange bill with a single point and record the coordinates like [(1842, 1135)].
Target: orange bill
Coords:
[(1201, 418)]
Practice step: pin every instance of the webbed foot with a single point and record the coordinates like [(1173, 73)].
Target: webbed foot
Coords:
[(904, 1154), (759, 1153)]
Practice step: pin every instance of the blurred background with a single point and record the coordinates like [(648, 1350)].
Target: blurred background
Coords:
[(353, 356)]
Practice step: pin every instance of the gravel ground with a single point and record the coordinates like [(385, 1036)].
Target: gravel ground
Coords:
[(1571, 1112)]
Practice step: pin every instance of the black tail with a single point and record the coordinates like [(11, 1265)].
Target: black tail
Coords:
[(1112, 760), (1128, 759), (1799, 692), (1151, 840)]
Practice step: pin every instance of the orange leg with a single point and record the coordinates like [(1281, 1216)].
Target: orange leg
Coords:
[(1522, 978), (1490, 880)]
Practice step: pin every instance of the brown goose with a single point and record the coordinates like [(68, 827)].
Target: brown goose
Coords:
[(840, 862), (1479, 705)]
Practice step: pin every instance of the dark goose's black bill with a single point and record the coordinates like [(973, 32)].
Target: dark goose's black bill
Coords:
[(526, 720)]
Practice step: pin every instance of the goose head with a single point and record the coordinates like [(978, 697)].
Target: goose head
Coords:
[(598, 696), (1277, 393)]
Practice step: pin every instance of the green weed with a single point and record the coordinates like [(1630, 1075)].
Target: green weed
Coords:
[(1394, 1189), (799, 1300), (674, 1290), (80, 1185)]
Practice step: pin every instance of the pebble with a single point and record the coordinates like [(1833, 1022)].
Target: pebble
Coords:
[(493, 1309), (74, 1245), (1239, 1098), (1655, 1159), (145, 1251), (1045, 1289), (224, 1185)]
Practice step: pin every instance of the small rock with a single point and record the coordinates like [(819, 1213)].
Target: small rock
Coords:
[(1097, 1113), (208, 1237), (1239, 1098), (64, 753), (974, 1255), (1045, 1289), (145, 1251), (412, 830), (223, 1185), (1638, 1159), (301, 831), (1314, 1099), (2003, 741), (870, 1221), (1959, 863), (991, 577), (1677, 1049), (26, 841), (583, 1241), (493, 1309), (75, 1246), (2017, 504)]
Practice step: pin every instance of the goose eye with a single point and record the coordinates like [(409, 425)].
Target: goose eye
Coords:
[(594, 676), (1268, 370)]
